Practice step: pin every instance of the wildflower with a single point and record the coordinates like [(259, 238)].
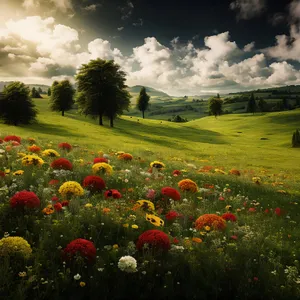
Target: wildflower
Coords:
[(65, 146), (82, 283), (19, 172), (197, 240), (71, 188), (50, 153), (106, 210), (65, 203), (115, 194), (188, 185), (10, 138), (53, 182), (125, 156), (252, 209), (62, 164), (155, 239), (94, 183), (58, 206), (100, 160), (34, 149), (234, 237), (126, 225), (24, 199), (172, 215), (278, 211), (170, 192), (88, 205), (134, 226), (151, 194), (235, 172), (207, 228), (256, 180), (82, 247), (229, 217), (34, 160), (220, 171), (48, 210), (145, 204), (154, 220), (127, 264), (102, 168), (15, 245), (176, 173), (22, 274), (77, 276), (211, 220)]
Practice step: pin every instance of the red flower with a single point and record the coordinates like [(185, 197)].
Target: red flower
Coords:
[(94, 183), (234, 237), (54, 199), (211, 220), (100, 159), (229, 217), (14, 143), (65, 203), (62, 164), (252, 209), (175, 241), (171, 193), (2, 174), (156, 239), (58, 206), (65, 146), (267, 211), (172, 215), (221, 198), (278, 211), (25, 199), (112, 194), (12, 138), (176, 173), (53, 182), (82, 247)]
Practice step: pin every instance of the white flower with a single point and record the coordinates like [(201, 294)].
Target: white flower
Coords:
[(126, 180), (77, 276), (127, 264)]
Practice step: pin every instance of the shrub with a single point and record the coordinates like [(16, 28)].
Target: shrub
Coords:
[(296, 139)]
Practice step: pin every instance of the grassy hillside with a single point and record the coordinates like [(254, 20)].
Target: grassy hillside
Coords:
[(229, 141)]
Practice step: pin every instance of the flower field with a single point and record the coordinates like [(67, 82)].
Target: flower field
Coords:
[(107, 224)]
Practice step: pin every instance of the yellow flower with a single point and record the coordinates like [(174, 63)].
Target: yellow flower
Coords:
[(126, 225), (88, 205), (134, 226), (19, 172), (82, 283), (207, 228), (157, 164), (22, 274), (15, 245), (102, 167), (228, 207), (256, 180), (115, 246), (33, 159), (220, 171), (21, 154), (154, 220), (7, 171), (51, 153), (71, 188), (100, 153), (48, 210), (145, 204)]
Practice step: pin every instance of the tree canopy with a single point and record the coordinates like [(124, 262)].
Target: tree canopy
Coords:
[(215, 106), (102, 90), (251, 107), (142, 102), (16, 105), (62, 96)]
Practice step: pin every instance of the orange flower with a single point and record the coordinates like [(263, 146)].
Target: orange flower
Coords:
[(48, 210), (125, 156), (188, 185), (196, 240), (130, 190), (235, 172), (205, 169), (106, 210), (212, 220), (34, 148)]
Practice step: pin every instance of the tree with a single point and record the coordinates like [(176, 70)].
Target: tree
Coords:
[(40, 90), (296, 139), (262, 105), (49, 92), (35, 93), (16, 105), (142, 102), (215, 106), (285, 103), (251, 107), (102, 90), (62, 94), (218, 96)]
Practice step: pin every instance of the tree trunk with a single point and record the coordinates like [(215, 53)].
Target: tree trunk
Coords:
[(143, 114), (62, 112), (111, 121), (100, 120)]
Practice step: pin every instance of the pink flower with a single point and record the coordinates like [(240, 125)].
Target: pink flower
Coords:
[(151, 194), (252, 209), (234, 237)]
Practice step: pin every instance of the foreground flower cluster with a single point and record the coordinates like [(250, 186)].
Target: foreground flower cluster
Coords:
[(75, 222)]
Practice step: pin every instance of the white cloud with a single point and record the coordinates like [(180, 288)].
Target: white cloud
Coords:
[(283, 73), (248, 9), (29, 4), (294, 10), (63, 5), (249, 47), (92, 7), (120, 28)]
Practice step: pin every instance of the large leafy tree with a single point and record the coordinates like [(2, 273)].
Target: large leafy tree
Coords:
[(215, 106), (62, 96), (35, 93), (251, 106), (102, 90), (142, 102), (16, 105)]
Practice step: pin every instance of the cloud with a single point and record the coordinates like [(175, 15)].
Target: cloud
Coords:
[(63, 5), (126, 10), (139, 23), (29, 4), (120, 28), (51, 50), (277, 19), (248, 9), (92, 7), (249, 47)]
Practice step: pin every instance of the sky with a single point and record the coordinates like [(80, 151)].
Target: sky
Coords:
[(180, 47)]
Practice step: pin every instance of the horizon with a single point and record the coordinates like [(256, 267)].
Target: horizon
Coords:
[(225, 47)]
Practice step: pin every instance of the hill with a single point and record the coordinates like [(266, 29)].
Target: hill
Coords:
[(151, 91), (31, 85)]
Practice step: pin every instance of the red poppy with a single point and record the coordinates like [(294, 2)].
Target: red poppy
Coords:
[(53, 182), (25, 199), (94, 183), (62, 164), (172, 215), (229, 217), (100, 159), (54, 199), (155, 239), (58, 206), (82, 247), (171, 193), (278, 211), (65, 203), (252, 209), (112, 194), (65, 146), (176, 173), (12, 138), (175, 241)]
